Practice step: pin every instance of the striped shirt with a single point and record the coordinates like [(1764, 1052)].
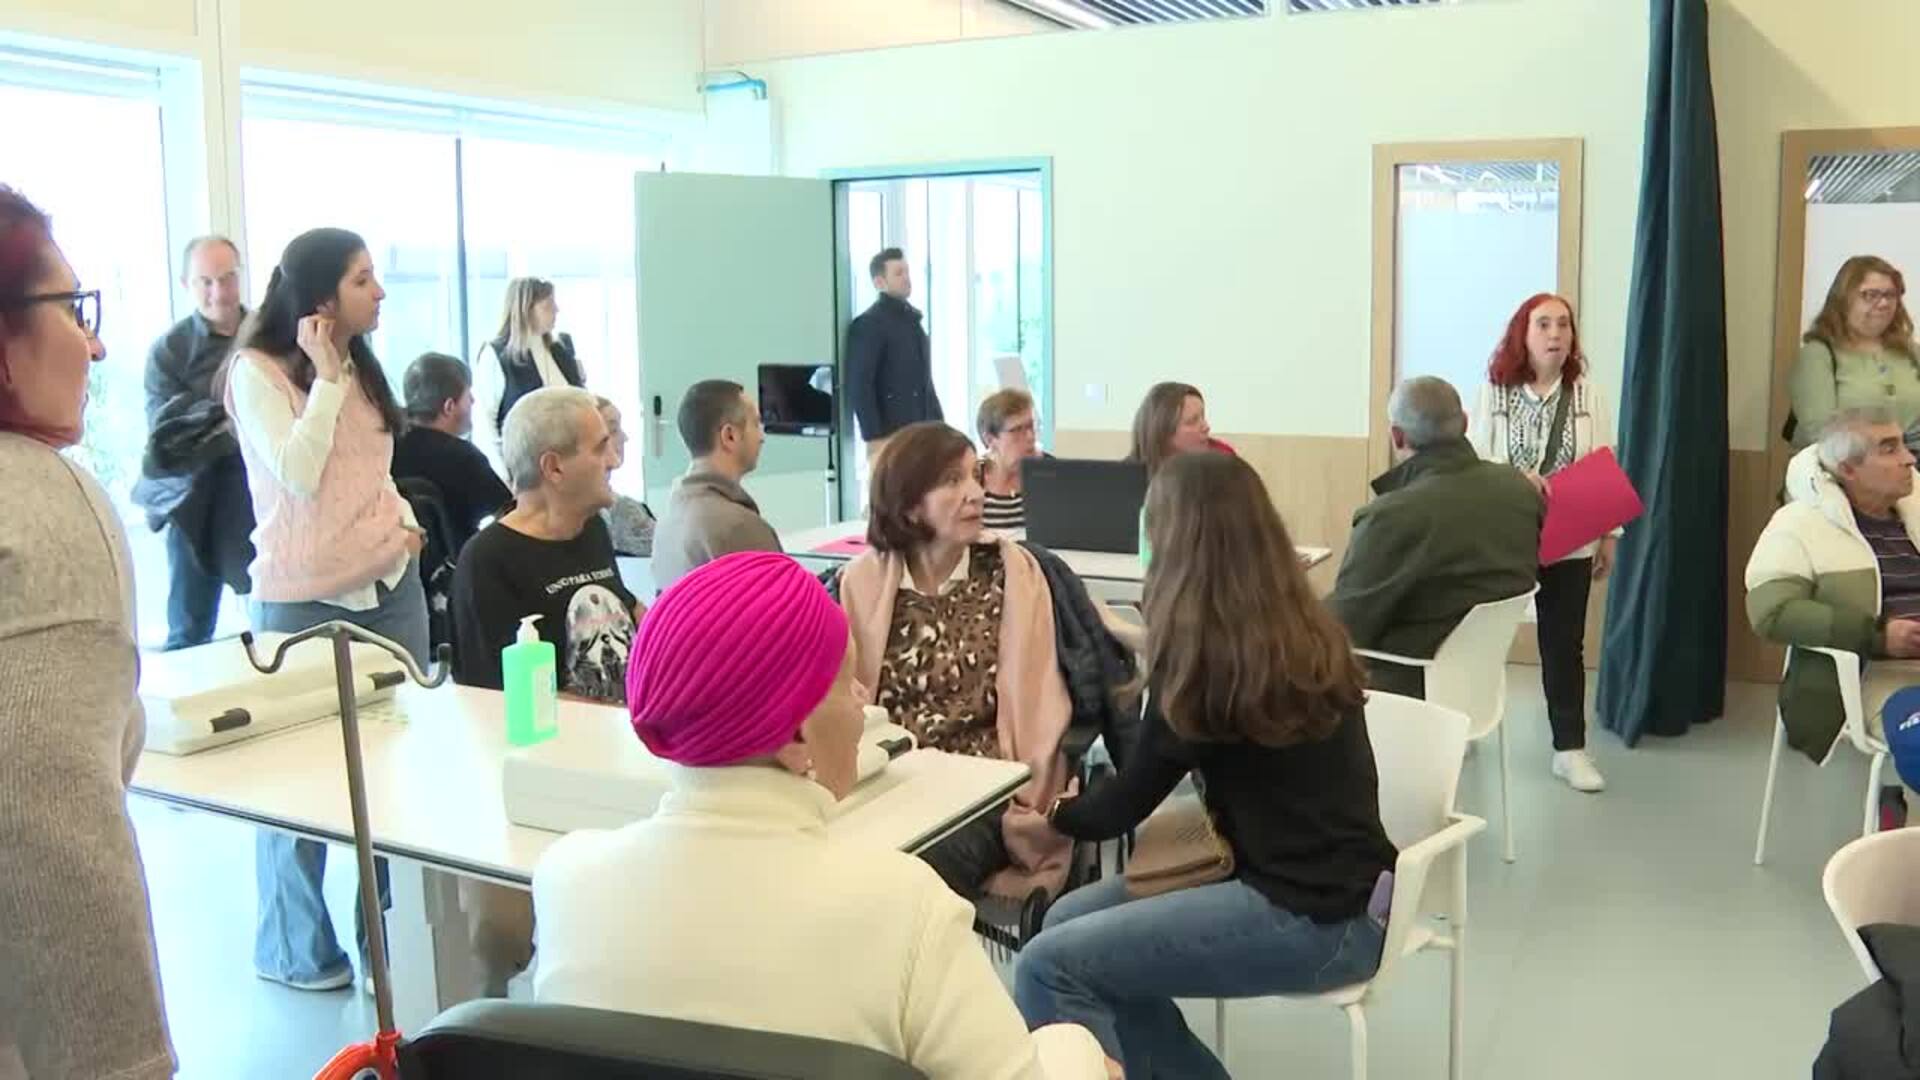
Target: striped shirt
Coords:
[(1899, 563), (1004, 512), (1001, 513)]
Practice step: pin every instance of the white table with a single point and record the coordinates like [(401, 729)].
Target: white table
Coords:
[(434, 802), (1110, 576)]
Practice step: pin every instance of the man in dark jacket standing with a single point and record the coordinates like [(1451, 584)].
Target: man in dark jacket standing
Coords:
[(1446, 532), (889, 360), (193, 483)]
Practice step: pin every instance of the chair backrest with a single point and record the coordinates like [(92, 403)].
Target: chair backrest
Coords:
[(498, 1040), (1875, 879), (1469, 671), (1418, 748)]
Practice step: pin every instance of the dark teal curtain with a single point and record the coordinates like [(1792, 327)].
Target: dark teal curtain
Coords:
[(1664, 661)]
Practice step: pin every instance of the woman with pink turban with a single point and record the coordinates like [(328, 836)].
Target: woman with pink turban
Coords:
[(731, 905)]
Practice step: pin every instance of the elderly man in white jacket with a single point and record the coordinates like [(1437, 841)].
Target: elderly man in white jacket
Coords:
[(731, 905)]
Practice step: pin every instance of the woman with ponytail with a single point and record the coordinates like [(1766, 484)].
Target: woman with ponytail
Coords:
[(316, 421)]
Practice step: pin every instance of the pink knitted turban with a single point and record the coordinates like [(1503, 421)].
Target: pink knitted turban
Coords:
[(732, 658)]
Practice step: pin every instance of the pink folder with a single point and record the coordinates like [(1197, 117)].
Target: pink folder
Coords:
[(849, 546), (1585, 501)]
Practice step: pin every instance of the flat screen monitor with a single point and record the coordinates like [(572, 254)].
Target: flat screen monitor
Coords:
[(796, 399), (1079, 505)]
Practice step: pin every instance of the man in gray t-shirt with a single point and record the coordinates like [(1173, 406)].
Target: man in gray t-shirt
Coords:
[(710, 514)]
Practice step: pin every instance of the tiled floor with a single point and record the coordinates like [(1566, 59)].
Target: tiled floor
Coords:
[(1634, 938)]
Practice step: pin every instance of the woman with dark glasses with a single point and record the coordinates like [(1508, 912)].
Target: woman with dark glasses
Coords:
[(79, 985)]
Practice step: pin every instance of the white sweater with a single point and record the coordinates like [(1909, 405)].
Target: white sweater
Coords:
[(731, 906), (1492, 431)]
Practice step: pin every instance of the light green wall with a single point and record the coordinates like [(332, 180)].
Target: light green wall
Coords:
[(1212, 183)]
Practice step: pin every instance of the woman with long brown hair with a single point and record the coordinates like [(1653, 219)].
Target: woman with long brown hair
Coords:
[(1254, 688), (1172, 419), (1859, 353)]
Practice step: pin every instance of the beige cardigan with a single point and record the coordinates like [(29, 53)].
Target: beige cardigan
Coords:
[(1034, 707)]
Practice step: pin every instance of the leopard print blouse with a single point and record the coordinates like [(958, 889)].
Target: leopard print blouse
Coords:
[(940, 673)]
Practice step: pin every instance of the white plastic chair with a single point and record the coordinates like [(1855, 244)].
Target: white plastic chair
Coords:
[(1418, 747), (1847, 666), (1875, 879), (1469, 673)]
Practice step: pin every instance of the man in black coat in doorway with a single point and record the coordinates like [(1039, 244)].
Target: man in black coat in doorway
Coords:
[(889, 360)]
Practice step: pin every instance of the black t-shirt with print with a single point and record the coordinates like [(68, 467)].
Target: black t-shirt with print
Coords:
[(573, 585)]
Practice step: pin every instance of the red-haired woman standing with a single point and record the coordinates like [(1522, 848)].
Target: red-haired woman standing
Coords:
[(1539, 412), (79, 986)]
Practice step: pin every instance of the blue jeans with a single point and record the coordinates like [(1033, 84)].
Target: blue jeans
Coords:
[(294, 939), (193, 594), (1114, 964)]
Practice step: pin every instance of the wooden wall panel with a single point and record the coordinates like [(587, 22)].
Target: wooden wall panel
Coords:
[(1753, 495), (1317, 482)]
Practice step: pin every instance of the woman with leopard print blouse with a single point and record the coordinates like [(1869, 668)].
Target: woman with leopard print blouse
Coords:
[(953, 634)]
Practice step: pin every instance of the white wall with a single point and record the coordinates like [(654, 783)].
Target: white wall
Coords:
[(1836, 233), (1212, 182)]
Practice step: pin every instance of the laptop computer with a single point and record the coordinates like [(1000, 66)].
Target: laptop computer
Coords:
[(1080, 505)]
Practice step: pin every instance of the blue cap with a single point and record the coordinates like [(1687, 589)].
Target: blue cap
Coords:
[(1900, 718)]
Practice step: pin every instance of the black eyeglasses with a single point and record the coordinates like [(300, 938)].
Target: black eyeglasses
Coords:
[(83, 305)]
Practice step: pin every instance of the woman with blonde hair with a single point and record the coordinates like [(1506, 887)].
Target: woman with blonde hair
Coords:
[(1859, 353), (1006, 425), (523, 357)]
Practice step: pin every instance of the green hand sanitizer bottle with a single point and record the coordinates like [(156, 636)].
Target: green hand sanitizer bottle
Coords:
[(532, 681)]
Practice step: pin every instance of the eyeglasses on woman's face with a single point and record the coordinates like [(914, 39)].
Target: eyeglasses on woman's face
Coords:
[(83, 305), (1879, 297)]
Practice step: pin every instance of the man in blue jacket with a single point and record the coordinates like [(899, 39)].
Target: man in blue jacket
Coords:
[(889, 361)]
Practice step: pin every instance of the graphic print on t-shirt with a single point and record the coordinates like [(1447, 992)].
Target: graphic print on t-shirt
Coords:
[(599, 635)]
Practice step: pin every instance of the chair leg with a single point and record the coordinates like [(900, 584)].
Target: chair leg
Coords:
[(1766, 799), (1457, 1006), (1506, 797), (1357, 1040), (1220, 1030), (1870, 822)]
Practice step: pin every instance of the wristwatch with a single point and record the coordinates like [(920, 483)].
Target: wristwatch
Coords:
[(1054, 806)]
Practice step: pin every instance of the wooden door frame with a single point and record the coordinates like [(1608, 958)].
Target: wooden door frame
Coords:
[(1569, 154), (1797, 151)]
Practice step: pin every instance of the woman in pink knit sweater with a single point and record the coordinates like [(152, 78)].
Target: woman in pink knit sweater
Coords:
[(334, 539)]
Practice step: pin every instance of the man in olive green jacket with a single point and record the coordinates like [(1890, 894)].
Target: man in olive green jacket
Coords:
[(1446, 532)]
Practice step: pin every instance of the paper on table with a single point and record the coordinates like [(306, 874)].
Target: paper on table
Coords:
[(1585, 501)]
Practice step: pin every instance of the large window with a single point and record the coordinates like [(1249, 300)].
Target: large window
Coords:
[(106, 194), (975, 245), (455, 201)]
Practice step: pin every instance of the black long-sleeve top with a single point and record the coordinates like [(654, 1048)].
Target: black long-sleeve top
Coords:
[(1303, 820)]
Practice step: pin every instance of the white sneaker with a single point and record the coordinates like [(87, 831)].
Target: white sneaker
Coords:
[(1576, 768)]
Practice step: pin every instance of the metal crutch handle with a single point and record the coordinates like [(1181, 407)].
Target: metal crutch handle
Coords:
[(343, 634)]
